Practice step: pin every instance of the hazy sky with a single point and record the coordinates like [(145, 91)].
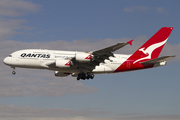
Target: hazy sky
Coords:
[(87, 25)]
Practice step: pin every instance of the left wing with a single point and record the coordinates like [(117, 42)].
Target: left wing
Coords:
[(97, 57), (108, 51), (102, 54)]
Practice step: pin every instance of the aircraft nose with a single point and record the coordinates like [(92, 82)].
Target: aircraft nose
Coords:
[(6, 61)]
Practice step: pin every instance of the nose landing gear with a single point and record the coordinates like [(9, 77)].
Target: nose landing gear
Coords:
[(13, 72)]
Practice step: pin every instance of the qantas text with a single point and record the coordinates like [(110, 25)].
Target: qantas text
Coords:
[(35, 55)]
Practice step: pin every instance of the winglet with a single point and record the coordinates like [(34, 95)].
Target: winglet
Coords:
[(130, 42)]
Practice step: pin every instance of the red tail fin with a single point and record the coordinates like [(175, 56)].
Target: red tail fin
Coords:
[(152, 48)]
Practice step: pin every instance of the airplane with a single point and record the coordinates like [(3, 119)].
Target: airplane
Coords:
[(84, 65)]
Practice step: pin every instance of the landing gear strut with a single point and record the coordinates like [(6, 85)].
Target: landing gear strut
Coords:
[(13, 72), (84, 76)]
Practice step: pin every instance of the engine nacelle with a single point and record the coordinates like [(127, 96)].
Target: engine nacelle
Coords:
[(83, 57), (60, 74), (63, 63)]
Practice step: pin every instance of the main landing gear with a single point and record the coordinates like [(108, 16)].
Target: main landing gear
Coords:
[(84, 76), (13, 72)]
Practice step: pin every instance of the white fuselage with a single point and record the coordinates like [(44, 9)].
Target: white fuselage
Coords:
[(39, 59), (84, 65)]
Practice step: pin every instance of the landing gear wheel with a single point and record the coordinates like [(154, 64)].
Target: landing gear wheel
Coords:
[(13, 72), (84, 76), (92, 76)]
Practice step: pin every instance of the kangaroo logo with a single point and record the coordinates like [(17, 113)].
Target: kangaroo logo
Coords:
[(148, 51), (88, 57), (68, 63)]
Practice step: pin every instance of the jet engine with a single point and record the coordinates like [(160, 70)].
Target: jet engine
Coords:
[(60, 74), (63, 63), (83, 57)]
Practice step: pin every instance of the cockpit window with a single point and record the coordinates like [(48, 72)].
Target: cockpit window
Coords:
[(9, 55)]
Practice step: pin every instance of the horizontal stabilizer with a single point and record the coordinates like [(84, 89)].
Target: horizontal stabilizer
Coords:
[(157, 60)]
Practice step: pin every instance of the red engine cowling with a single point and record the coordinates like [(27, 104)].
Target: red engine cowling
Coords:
[(60, 74), (63, 63), (83, 57)]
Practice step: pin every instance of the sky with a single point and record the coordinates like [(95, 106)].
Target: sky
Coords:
[(86, 25)]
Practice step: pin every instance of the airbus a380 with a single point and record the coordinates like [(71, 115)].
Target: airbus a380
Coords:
[(84, 65)]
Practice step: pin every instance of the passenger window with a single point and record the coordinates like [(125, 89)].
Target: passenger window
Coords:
[(9, 55)]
